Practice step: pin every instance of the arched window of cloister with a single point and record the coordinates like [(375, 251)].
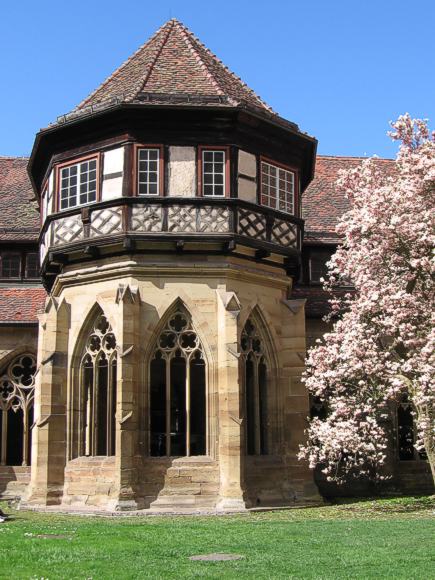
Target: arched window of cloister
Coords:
[(98, 390), (177, 378), (17, 389), (255, 375)]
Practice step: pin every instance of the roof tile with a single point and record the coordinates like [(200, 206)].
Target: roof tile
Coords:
[(19, 217), (173, 62), (323, 203), (21, 304)]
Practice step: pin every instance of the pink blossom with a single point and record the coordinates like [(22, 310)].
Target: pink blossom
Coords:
[(382, 343)]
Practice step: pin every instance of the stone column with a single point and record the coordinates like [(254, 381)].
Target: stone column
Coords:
[(49, 433), (231, 451), (127, 396)]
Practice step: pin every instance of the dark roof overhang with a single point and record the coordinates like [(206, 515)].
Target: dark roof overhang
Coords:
[(229, 122)]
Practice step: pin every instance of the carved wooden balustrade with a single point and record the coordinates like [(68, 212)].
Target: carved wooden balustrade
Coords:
[(162, 219)]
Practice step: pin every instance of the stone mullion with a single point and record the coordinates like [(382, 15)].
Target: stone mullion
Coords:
[(25, 435), (187, 389), (168, 405)]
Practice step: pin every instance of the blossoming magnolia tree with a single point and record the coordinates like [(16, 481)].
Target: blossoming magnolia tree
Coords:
[(382, 344)]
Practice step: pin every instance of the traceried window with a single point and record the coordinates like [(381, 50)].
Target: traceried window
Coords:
[(78, 184), (213, 173), (277, 187), (98, 391), (178, 391), (255, 382), (148, 171), (17, 386)]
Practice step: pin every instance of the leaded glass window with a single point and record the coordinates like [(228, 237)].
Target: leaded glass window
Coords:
[(78, 184), (17, 390), (98, 390), (178, 391), (256, 392), (148, 171), (213, 173), (277, 187)]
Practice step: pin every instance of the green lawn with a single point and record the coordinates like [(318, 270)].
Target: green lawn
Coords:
[(370, 539)]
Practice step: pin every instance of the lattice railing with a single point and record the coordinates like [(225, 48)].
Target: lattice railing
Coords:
[(174, 217)]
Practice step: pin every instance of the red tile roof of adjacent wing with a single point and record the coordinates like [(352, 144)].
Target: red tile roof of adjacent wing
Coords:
[(323, 203), (174, 66), (19, 217), (21, 304)]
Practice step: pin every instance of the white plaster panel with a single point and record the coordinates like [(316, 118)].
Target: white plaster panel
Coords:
[(111, 188), (247, 189), (247, 164), (50, 197), (113, 161), (113, 164), (182, 166)]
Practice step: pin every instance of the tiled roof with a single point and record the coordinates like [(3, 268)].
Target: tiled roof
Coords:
[(21, 304), (173, 66), (322, 203), (19, 217)]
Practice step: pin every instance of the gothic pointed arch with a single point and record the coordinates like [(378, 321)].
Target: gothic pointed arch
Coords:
[(258, 359), (17, 392), (177, 387), (94, 380)]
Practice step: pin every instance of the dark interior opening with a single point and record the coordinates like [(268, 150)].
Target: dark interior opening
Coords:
[(250, 404), (178, 406), (158, 406), (14, 438), (405, 425), (102, 401), (197, 407), (262, 389)]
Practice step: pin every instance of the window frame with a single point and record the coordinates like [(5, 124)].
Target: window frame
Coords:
[(70, 163), (226, 184), (22, 253), (161, 170), (21, 271), (287, 168), (26, 268)]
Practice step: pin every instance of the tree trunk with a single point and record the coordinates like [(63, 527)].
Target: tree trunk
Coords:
[(427, 415)]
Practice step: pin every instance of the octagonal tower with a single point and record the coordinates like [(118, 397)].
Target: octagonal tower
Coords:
[(170, 352)]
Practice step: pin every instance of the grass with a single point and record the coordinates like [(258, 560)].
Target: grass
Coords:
[(366, 539)]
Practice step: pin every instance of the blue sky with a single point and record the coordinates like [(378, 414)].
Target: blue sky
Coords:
[(340, 69)]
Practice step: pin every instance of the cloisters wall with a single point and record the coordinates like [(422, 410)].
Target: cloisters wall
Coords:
[(123, 312)]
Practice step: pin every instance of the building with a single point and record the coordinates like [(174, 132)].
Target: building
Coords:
[(165, 370)]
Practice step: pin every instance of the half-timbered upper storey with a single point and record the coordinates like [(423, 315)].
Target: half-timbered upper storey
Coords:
[(172, 147)]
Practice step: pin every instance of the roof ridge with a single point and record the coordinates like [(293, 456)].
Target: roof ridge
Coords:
[(186, 33), (129, 59), (157, 53), (22, 157), (355, 157), (189, 33)]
